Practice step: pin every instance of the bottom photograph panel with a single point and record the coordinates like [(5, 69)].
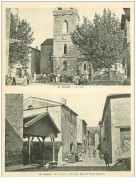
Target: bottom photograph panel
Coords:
[(47, 133)]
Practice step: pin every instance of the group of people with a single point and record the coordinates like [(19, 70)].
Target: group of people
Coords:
[(68, 78), (92, 152), (26, 79)]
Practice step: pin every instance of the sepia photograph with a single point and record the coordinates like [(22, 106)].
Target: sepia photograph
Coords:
[(68, 89), (68, 45), (52, 133)]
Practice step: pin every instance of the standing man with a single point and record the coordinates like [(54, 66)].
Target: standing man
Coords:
[(94, 153), (106, 158), (13, 75)]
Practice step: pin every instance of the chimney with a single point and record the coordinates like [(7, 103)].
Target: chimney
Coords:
[(37, 47), (63, 101)]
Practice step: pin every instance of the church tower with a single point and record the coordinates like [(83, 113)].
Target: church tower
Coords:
[(64, 52)]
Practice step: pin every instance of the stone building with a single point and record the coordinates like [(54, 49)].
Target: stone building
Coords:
[(60, 50), (34, 65), (13, 129), (64, 52), (46, 62), (64, 118), (125, 27), (93, 136), (115, 126), (82, 134)]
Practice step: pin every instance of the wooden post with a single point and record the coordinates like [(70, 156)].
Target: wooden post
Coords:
[(29, 149), (53, 149), (43, 149)]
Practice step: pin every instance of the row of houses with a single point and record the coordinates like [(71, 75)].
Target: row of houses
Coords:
[(42, 125), (53, 127)]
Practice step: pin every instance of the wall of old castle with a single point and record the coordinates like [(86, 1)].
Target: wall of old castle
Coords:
[(13, 129), (120, 116)]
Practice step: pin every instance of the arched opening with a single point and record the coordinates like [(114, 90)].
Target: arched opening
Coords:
[(65, 65), (65, 49), (85, 67), (30, 107), (65, 27)]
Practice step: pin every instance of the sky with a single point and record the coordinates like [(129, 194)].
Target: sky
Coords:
[(88, 104), (41, 19)]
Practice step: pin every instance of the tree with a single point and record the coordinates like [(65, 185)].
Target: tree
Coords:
[(100, 41), (22, 36)]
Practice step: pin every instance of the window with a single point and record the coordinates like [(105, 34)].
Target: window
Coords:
[(65, 65), (50, 56), (71, 129), (65, 27), (30, 107), (85, 67), (65, 49)]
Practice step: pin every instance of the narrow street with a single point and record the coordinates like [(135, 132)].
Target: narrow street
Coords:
[(88, 164)]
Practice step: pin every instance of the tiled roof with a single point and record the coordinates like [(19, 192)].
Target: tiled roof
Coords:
[(66, 107), (48, 42), (40, 116), (90, 129)]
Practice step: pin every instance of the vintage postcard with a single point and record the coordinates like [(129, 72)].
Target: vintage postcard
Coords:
[(68, 89)]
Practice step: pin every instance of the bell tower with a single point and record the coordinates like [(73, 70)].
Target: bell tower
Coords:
[(64, 52)]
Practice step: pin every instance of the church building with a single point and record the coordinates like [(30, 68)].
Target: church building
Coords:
[(59, 55)]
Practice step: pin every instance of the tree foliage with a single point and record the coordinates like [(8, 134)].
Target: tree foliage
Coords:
[(22, 36), (100, 41)]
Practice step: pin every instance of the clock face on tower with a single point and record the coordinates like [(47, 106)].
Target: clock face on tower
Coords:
[(64, 37)]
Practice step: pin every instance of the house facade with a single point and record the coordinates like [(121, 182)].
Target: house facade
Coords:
[(115, 126), (46, 62), (82, 134), (93, 136), (125, 27)]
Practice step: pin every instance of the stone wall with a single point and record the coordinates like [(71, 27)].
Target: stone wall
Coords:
[(79, 130), (61, 38), (106, 135), (71, 60), (46, 62), (120, 117), (35, 61), (13, 129), (69, 131)]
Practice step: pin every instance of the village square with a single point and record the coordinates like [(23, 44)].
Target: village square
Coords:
[(44, 133), (93, 52)]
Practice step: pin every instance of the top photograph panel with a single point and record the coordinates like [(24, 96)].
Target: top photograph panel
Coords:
[(68, 45)]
